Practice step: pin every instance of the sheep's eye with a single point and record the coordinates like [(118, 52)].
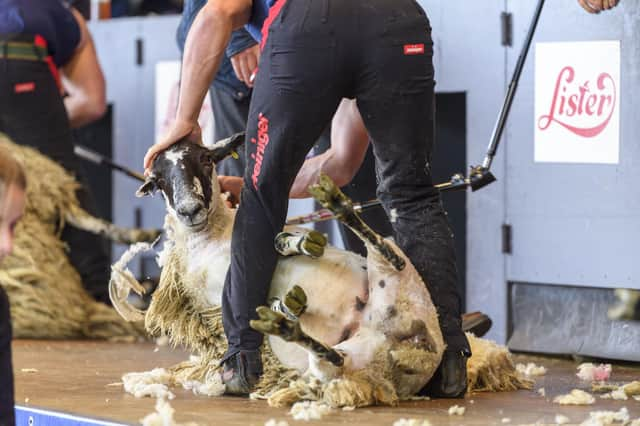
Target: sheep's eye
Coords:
[(206, 159)]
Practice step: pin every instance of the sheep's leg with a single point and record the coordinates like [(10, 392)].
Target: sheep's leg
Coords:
[(296, 300), (293, 305), (277, 324), (80, 219), (310, 243), (330, 196), (122, 282)]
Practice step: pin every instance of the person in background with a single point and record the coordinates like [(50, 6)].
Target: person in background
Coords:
[(12, 200), (51, 82), (230, 96)]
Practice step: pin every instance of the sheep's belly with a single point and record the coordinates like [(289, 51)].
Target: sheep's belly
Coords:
[(336, 286)]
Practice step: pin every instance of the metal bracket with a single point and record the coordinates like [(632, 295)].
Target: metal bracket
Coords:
[(139, 52), (506, 29), (507, 237)]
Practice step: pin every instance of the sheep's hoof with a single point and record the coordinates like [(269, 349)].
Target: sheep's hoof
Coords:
[(276, 324), (296, 301), (313, 244), (310, 244), (330, 197)]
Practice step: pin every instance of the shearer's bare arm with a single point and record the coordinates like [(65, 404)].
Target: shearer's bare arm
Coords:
[(349, 142)]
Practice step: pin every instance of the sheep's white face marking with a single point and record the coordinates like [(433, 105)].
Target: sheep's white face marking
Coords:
[(176, 154)]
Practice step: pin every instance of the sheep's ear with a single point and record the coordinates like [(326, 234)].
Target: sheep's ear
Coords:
[(148, 187), (225, 147)]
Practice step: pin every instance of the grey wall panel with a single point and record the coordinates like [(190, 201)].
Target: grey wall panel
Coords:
[(130, 90), (576, 250), (469, 58), (575, 223), (116, 52)]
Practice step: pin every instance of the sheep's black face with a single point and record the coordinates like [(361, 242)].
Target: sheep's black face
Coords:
[(184, 173)]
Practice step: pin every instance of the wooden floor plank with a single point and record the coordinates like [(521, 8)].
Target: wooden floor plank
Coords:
[(73, 376)]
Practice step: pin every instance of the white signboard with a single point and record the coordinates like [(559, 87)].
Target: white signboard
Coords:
[(577, 102), (167, 87)]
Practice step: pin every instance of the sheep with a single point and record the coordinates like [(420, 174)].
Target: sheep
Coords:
[(46, 293), (365, 331)]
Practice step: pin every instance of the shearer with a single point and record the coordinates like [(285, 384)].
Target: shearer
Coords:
[(51, 82), (314, 54)]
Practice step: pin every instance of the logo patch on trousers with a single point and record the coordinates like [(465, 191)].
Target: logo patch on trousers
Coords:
[(414, 49), (24, 87), (261, 144)]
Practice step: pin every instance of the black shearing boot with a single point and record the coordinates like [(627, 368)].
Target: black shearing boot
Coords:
[(450, 379), (477, 323), (242, 372)]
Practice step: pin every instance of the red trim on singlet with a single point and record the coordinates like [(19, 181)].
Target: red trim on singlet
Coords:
[(41, 42), (273, 14)]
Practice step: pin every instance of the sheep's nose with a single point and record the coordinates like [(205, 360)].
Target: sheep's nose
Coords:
[(189, 210)]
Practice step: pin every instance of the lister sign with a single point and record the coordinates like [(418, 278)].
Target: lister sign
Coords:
[(577, 102)]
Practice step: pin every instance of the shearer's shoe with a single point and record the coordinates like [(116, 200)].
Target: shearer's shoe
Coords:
[(450, 379), (477, 323), (242, 372)]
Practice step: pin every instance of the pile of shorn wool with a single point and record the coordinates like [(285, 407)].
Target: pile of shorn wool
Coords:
[(46, 293), (490, 369)]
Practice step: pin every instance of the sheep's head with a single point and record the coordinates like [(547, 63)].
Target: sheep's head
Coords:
[(186, 176)]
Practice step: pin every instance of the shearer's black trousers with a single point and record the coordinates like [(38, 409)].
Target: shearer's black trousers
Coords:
[(317, 52), (7, 416), (32, 113)]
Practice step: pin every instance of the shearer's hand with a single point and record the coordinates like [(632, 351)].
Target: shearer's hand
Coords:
[(245, 63), (232, 185), (177, 131), (596, 6)]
